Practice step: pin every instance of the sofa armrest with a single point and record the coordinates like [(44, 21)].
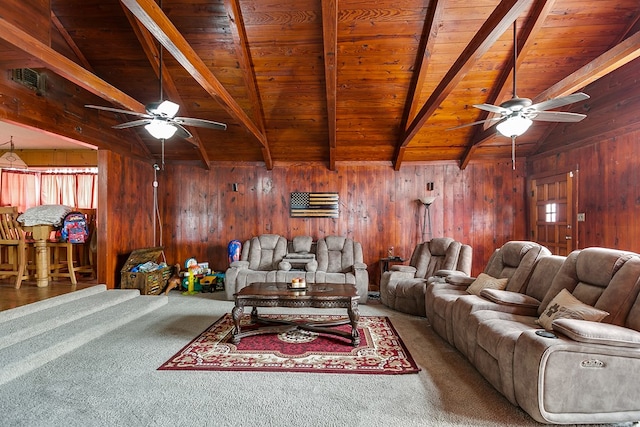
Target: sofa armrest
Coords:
[(447, 273), (311, 266), (240, 265), (359, 266), (459, 280), (284, 266), (509, 298), (590, 332), (404, 269)]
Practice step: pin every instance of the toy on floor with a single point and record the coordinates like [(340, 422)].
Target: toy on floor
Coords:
[(174, 281), (192, 268)]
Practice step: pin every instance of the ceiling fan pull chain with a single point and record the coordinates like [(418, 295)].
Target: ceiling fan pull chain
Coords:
[(513, 151), (162, 141)]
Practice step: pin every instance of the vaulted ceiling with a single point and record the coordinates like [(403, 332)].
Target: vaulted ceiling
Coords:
[(328, 81)]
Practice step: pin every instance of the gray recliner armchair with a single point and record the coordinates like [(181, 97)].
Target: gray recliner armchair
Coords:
[(403, 287)]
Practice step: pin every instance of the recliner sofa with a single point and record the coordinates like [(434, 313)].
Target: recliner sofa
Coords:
[(566, 347), (268, 258)]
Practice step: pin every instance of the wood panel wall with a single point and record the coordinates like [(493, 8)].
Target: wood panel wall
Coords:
[(604, 148), (125, 222), (482, 205), (608, 178)]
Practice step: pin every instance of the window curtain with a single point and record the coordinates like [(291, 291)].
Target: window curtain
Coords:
[(26, 189), (19, 189), (87, 191)]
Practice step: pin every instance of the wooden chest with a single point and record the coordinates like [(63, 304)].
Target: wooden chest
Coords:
[(150, 282)]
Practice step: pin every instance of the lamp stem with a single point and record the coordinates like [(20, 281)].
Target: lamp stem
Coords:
[(427, 218)]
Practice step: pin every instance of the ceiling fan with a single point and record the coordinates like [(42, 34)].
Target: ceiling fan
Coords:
[(517, 114), (161, 121)]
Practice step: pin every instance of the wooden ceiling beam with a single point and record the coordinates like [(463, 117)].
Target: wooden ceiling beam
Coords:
[(497, 23), (154, 19), (243, 53), (623, 53), (168, 84), (427, 41), (526, 41), (65, 67), (330, 41), (70, 42)]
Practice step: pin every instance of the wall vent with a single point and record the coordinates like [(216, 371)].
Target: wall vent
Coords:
[(29, 78)]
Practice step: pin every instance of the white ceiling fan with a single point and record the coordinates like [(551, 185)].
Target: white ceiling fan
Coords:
[(161, 121), (517, 114)]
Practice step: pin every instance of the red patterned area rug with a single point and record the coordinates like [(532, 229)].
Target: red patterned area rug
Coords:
[(381, 351)]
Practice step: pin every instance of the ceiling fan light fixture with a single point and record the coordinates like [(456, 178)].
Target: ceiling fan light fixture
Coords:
[(160, 129), (514, 126)]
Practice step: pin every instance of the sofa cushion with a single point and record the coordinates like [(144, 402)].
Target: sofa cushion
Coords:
[(566, 306), (302, 244), (484, 281)]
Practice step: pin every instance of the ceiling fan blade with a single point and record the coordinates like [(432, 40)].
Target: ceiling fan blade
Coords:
[(476, 123), (199, 123), (559, 102), (132, 124), (557, 116), (492, 108), (182, 132), (117, 110)]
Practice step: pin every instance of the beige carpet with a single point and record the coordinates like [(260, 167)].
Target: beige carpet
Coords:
[(113, 381)]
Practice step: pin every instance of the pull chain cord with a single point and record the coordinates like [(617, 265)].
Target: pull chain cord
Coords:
[(513, 151)]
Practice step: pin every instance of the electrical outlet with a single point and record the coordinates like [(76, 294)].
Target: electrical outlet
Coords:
[(580, 216)]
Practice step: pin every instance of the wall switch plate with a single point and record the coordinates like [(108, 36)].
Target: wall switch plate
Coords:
[(581, 216)]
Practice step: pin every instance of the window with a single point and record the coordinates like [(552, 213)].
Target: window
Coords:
[(71, 187), (550, 212)]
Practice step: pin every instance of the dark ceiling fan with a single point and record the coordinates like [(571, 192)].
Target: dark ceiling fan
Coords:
[(517, 114)]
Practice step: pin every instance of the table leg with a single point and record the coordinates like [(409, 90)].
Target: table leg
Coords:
[(236, 313), (354, 317), (42, 264)]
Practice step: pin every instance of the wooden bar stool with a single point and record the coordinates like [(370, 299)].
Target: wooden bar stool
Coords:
[(67, 259), (13, 246)]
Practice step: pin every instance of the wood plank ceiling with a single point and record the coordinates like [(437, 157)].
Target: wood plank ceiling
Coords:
[(329, 81)]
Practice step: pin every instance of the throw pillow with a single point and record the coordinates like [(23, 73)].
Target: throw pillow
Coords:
[(484, 281), (566, 306)]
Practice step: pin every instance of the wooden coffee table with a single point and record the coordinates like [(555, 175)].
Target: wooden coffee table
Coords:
[(319, 295)]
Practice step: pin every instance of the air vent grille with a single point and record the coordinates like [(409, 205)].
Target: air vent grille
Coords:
[(28, 77)]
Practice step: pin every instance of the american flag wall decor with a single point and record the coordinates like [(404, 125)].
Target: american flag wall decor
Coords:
[(314, 205)]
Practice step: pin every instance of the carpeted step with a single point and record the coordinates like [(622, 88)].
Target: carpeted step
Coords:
[(36, 351), (49, 302), (41, 321)]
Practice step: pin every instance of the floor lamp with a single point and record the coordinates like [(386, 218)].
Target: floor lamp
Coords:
[(427, 201)]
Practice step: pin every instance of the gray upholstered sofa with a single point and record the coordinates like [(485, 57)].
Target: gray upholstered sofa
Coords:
[(271, 258), (587, 368), (403, 287)]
